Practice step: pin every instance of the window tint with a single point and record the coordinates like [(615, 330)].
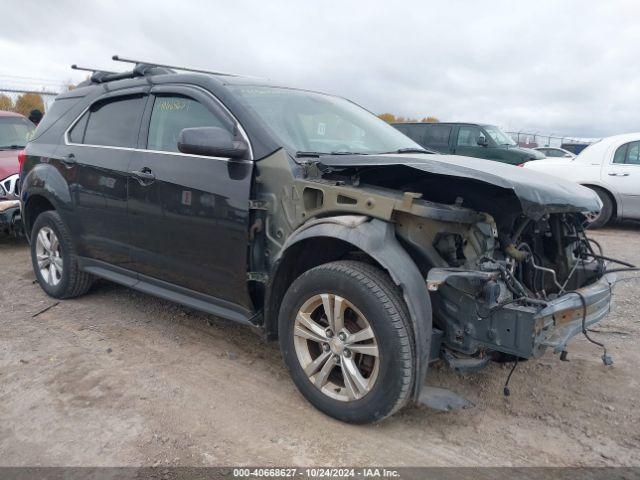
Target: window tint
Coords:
[(173, 113), (633, 153), (437, 135), (114, 122), (468, 136), (414, 132), (628, 153), (621, 152), (76, 135)]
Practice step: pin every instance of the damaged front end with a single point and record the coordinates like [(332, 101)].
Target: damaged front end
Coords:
[(509, 267)]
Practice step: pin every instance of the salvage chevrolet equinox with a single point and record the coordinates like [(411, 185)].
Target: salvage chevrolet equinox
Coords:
[(302, 214)]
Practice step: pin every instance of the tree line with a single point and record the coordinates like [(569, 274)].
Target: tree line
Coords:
[(391, 118), (24, 103)]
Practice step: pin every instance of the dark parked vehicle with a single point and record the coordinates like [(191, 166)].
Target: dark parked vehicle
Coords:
[(304, 215), (470, 140)]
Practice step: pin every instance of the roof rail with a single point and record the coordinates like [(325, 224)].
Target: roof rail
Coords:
[(93, 70), (117, 58)]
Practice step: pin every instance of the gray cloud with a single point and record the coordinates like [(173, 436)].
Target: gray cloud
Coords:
[(566, 67)]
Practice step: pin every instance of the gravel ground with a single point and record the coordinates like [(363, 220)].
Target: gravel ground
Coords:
[(121, 378)]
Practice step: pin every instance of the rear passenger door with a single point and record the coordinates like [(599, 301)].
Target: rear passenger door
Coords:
[(188, 214), (623, 173), (437, 137), (95, 161)]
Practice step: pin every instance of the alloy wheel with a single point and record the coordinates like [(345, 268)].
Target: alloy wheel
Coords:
[(49, 256), (336, 347)]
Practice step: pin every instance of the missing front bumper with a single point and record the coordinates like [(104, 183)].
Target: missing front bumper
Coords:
[(525, 331)]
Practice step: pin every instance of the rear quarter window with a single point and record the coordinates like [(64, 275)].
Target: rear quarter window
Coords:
[(57, 110)]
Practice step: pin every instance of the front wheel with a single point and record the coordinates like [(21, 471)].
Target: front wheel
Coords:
[(600, 219), (346, 339)]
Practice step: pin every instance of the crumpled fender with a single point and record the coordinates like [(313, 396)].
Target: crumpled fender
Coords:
[(377, 239)]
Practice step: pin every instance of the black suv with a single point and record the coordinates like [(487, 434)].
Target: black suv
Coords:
[(308, 217)]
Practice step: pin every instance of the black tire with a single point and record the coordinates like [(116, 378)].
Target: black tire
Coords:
[(73, 282), (372, 292), (607, 209)]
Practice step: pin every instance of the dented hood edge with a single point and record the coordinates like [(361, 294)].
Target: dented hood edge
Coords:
[(538, 193)]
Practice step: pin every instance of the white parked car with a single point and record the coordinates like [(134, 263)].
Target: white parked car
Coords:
[(555, 152), (610, 167)]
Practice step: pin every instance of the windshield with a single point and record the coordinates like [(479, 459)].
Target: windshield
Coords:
[(499, 136), (15, 132), (321, 124)]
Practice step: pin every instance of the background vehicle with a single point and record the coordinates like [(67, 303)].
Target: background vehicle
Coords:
[(305, 215), (611, 168), (469, 139), (555, 152), (15, 130)]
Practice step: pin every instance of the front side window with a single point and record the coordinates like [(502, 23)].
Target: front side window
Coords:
[(468, 136), (170, 115), (15, 132), (113, 122), (313, 122)]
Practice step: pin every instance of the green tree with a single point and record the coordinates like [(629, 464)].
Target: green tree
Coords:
[(6, 103), (430, 119), (27, 102)]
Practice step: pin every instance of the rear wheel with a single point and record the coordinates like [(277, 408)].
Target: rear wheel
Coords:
[(599, 220), (346, 339), (54, 259)]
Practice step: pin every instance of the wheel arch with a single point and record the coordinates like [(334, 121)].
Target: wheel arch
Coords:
[(33, 206), (616, 210), (376, 241)]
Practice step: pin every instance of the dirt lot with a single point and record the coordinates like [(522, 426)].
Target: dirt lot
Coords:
[(120, 378)]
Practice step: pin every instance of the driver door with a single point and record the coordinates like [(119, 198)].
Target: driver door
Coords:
[(467, 142)]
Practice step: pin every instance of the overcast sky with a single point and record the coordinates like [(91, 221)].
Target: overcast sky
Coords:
[(551, 66)]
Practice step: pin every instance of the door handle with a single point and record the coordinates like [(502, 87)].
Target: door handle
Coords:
[(616, 174), (145, 176), (69, 160)]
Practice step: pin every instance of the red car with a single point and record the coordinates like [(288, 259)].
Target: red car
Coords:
[(15, 131)]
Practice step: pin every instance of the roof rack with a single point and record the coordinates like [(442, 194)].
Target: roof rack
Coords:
[(118, 58), (141, 69), (87, 69)]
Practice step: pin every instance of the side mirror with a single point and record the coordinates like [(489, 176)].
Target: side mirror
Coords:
[(211, 142), (567, 155), (482, 141)]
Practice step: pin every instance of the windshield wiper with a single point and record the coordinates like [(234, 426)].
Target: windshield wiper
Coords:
[(302, 153), (12, 147), (409, 150)]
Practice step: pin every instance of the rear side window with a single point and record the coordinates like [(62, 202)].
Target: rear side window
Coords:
[(171, 114), (114, 122), (628, 153), (437, 135)]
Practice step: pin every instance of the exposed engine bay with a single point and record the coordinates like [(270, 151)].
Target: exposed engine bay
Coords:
[(501, 268)]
